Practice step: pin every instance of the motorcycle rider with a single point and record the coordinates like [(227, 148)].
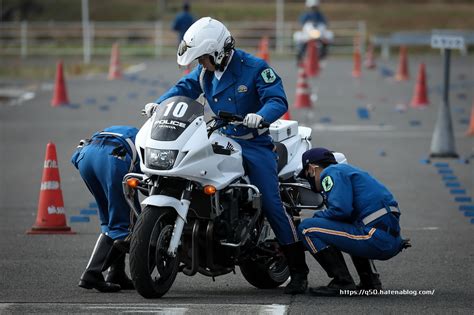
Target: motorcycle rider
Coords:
[(237, 82), (361, 218), (315, 16), (102, 162)]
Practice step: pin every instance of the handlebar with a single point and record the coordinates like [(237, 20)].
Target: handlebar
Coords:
[(233, 118)]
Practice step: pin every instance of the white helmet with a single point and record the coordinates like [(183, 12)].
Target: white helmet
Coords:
[(205, 36), (312, 3)]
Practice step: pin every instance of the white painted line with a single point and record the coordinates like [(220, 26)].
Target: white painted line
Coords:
[(135, 68), (326, 127), (426, 228)]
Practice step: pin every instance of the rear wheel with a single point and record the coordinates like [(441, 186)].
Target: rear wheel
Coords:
[(268, 271), (153, 270)]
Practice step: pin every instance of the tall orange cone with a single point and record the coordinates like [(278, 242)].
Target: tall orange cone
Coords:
[(356, 70), (114, 69), (303, 92), (402, 72), (187, 70), (370, 58), (286, 116), (312, 59), (263, 51), (420, 95), (470, 131), (60, 92), (50, 218)]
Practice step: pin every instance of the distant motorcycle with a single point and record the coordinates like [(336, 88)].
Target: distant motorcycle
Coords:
[(202, 214), (319, 33)]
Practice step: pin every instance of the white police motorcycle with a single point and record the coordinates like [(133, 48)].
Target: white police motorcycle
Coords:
[(202, 215)]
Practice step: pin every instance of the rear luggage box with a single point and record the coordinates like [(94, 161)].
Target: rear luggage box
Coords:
[(283, 129)]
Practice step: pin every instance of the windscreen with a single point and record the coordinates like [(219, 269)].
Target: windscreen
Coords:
[(173, 116)]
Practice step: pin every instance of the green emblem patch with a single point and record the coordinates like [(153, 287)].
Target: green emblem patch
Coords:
[(327, 183), (268, 75)]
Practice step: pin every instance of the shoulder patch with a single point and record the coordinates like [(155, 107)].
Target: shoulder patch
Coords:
[(268, 75), (327, 183)]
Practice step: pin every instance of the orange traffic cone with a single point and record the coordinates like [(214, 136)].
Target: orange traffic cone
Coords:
[(60, 93), (303, 92), (286, 116), (420, 95), (470, 131), (356, 70), (312, 60), (114, 69), (369, 58), (402, 72), (263, 49), (187, 70), (50, 218)]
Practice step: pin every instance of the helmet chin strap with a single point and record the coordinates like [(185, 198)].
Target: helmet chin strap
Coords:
[(222, 65)]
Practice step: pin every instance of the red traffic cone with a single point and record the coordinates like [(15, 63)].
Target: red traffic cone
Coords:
[(420, 95), (263, 51), (356, 70), (187, 70), (50, 218), (286, 116), (60, 93), (312, 60), (303, 92), (369, 58), (470, 130), (402, 72), (114, 68)]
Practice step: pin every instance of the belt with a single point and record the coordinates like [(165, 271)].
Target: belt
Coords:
[(383, 227), (105, 142), (377, 214)]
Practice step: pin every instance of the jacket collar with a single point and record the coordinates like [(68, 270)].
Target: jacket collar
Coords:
[(233, 71)]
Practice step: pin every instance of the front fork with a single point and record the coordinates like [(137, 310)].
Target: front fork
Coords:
[(180, 220)]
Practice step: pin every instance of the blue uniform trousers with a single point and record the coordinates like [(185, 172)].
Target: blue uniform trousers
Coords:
[(103, 174), (261, 165), (368, 242)]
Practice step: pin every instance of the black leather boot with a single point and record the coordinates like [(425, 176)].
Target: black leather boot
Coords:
[(92, 277), (369, 278), (295, 257), (118, 276), (333, 263)]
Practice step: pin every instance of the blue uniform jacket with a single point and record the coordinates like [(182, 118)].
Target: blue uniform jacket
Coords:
[(182, 22), (352, 194), (316, 17), (248, 85)]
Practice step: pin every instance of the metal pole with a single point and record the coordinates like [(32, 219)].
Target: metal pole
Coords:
[(447, 61), (24, 39), (280, 20), (86, 31)]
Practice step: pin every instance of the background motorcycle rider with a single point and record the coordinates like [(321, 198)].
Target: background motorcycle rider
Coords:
[(237, 82), (315, 16), (102, 162), (361, 218)]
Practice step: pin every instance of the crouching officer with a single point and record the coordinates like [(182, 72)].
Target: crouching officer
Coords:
[(102, 162), (361, 218)]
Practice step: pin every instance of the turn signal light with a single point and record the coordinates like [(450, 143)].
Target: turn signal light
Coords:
[(133, 182), (209, 190)]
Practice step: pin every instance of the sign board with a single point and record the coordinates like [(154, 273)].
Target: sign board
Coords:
[(447, 42)]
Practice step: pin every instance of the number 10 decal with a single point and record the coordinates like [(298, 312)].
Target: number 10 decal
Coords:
[(179, 110)]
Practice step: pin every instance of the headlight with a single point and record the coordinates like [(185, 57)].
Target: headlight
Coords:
[(160, 159)]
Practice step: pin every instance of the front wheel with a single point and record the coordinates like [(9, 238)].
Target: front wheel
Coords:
[(153, 271), (267, 271)]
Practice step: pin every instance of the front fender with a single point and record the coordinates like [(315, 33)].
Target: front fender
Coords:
[(167, 201)]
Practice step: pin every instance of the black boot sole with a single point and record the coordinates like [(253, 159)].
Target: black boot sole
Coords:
[(100, 288)]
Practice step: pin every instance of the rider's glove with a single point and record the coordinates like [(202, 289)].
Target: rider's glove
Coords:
[(252, 120), (149, 109)]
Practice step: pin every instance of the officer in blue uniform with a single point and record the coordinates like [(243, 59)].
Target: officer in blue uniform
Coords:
[(315, 16), (237, 82), (361, 218), (102, 162), (183, 21)]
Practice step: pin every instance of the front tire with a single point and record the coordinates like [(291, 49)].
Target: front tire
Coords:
[(266, 272), (153, 271)]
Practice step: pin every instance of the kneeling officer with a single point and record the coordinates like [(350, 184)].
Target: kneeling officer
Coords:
[(102, 162), (361, 218)]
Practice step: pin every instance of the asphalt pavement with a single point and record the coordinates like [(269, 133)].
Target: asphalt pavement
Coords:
[(369, 119)]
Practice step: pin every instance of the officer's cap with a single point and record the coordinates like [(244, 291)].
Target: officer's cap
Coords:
[(318, 156)]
